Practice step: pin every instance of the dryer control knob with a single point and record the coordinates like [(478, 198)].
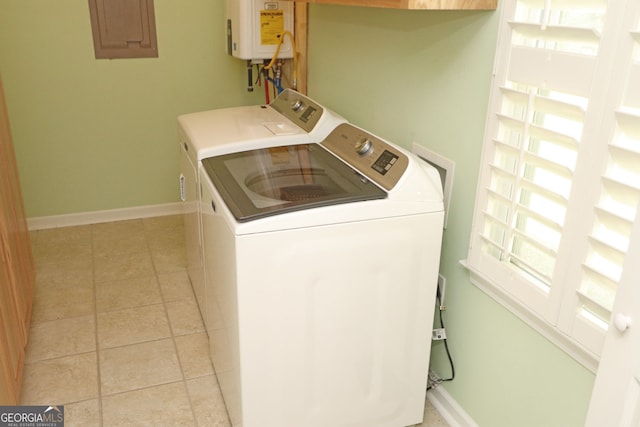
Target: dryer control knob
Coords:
[(297, 105), (363, 146)]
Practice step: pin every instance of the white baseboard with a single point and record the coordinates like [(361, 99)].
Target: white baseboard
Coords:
[(450, 410), (83, 218)]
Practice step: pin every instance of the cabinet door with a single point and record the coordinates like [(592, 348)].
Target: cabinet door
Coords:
[(17, 275), (11, 342), (7, 393), (13, 225)]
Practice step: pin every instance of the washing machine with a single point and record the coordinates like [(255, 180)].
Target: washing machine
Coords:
[(321, 269), (291, 118)]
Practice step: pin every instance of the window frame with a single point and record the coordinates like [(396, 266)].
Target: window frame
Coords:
[(553, 314)]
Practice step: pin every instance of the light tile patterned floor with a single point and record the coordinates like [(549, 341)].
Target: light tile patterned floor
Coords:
[(116, 334)]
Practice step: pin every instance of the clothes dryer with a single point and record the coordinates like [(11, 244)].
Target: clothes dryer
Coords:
[(291, 118)]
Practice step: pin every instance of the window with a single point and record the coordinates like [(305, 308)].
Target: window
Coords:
[(123, 28), (559, 184)]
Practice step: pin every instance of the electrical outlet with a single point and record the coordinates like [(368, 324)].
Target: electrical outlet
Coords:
[(442, 283), (438, 334), (434, 380)]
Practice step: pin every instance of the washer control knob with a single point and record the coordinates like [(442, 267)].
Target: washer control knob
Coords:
[(363, 146), (297, 105)]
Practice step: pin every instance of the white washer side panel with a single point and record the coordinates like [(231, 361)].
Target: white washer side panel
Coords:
[(335, 322), (221, 316)]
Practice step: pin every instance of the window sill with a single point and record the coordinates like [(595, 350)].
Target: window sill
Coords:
[(583, 356)]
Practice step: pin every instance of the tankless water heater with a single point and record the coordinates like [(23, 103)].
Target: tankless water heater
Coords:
[(254, 28)]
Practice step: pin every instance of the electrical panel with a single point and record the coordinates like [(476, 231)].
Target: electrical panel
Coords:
[(254, 28)]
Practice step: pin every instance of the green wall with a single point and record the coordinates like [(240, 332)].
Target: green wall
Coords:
[(424, 76), (101, 134)]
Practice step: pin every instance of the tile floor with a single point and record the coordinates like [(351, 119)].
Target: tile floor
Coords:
[(116, 334)]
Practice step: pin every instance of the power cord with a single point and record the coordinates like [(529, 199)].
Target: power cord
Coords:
[(434, 380)]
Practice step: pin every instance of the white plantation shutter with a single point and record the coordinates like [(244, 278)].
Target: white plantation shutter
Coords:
[(615, 210), (560, 175)]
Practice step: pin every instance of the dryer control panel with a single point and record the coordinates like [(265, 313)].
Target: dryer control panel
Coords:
[(296, 107), (374, 158)]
